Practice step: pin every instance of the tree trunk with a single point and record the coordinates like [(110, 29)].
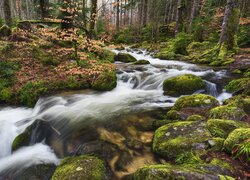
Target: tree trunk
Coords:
[(84, 16), (169, 11), (43, 7), (145, 13), (230, 24), (178, 17), (7, 12), (193, 14), (118, 15), (93, 15)]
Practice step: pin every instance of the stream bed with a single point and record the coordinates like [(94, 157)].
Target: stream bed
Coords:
[(116, 125)]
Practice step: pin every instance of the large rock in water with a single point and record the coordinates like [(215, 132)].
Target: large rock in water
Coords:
[(80, 167), (182, 85), (174, 139), (124, 57), (195, 104), (167, 171)]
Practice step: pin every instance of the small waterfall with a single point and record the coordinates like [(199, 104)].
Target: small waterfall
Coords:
[(211, 88)]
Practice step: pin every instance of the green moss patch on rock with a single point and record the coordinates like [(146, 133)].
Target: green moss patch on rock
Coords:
[(196, 101), (227, 112), (167, 171), (173, 115), (173, 139), (124, 57), (236, 137), (216, 144), (80, 167), (222, 128), (105, 82), (195, 117), (141, 62), (240, 101), (182, 85), (240, 86)]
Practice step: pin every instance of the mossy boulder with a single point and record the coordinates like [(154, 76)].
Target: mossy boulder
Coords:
[(182, 85), (227, 112), (167, 171), (241, 86), (173, 139), (105, 82), (80, 167), (124, 57), (222, 128), (174, 115), (5, 31), (240, 101), (198, 104), (216, 143), (142, 62), (236, 137)]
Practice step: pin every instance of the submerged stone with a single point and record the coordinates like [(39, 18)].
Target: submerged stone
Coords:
[(183, 85), (141, 62)]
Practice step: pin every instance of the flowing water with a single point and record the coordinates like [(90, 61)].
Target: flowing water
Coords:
[(88, 116)]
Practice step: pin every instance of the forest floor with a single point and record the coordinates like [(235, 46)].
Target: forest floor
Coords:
[(44, 60)]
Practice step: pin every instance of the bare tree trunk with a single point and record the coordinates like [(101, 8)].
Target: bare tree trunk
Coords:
[(118, 15), (93, 15), (84, 16), (169, 11), (7, 12), (178, 17), (145, 13), (193, 13), (230, 24)]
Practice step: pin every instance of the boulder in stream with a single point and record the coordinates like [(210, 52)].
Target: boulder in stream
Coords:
[(227, 112), (142, 62), (183, 85), (124, 57)]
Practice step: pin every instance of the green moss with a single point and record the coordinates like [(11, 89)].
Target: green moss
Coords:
[(196, 100), (174, 139), (221, 163), (176, 47), (22, 139), (222, 128), (242, 85), (31, 91), (141, 62), (159, 123), (5, 31), (227, 112), (173, 115), (183, 85), (106, 81), (174, 172), (80, 167), (106, 55), (235, 137), (46, 58), (126, 58), (195, 117), (216, 144), (240, 101), (188, 158)]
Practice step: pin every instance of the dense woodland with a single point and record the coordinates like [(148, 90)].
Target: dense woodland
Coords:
[(51, 49)]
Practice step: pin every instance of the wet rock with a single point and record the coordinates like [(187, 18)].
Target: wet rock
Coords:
[(134, 144), (183, 85), (239, 101), (174, 115), (141, 62), (227, 112), (235, 137), (239, 86), (222, 128), (126, 58), (168, 171), (80, 167), (173, 139), (41, 172), (195, 104)]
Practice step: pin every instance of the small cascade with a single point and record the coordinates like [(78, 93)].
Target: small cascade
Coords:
[(211, 88)]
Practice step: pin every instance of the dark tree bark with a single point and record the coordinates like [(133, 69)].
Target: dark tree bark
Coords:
[(7, 12), (145, 13), (43, 7), (178, 16), (84, 16), (193, 14)]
